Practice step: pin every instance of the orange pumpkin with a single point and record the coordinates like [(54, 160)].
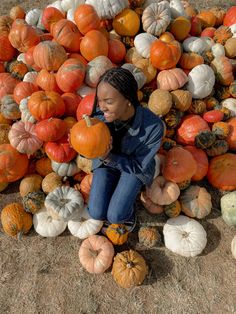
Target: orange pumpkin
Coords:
[(47, 81), (202, 162), (17, 12), (29, 59), (44, 105), (126, 23), (66, 34), (222, 172), (94, 44), (72, 102), (86, 18), (189, 60), (49, 55), (149, 205), (165, 55), (116, 51), (85, 106), (49, 130), (230, 16), (231, 138), (117, 233), (7, 51), (13, 165), (23, 90), (90, 137), (85, 186), (50, 16), (70, 75), (207, 18), (15, 220), (7, 84), (180, 28), (43, 166), (179, 166)]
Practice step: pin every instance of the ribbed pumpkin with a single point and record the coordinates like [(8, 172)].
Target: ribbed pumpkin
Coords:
[(180, 27), (221, 129), (197, 107), (205, 139), (94, 44), (13, 165), (86, 18), (90, 137), (223, 70), (149, 205), (222, 172), (43, 166), (7, 51), (160, 102), (202, 162), (126, 23), (171, 79), (148, 236), (219, 147), (191, 125), (50, 129), (117, 233), (182, 99), (179, 165), (50, 182), (33, 201), (10, 108), (7, 84), (231, 138), (196, 202), (23, 90), (15, 220), (173, 209), (47, 81)]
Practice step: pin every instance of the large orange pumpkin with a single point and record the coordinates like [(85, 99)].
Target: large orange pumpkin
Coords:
[(70, 75), (165, 55), (7, 51), (190, 126), (126, 23), (85, 106), (90, 137), (222, 172), (44, 105), (86, 18), (94, 44), (66, 33), (13, 165), (50, 130), (23, 90), (179, 165), (202, 162), (49, 55), (50, 16)]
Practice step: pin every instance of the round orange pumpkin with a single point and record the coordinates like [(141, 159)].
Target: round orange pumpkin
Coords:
[(23, 90), (86, 18), (47, 81), (7, 51), (94, 44), (50, 16), (202, 162)]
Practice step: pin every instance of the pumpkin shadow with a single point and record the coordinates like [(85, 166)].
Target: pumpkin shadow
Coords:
[(13, 187), (213, 237)]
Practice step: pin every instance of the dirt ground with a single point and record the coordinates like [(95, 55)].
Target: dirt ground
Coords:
[(43, 275)]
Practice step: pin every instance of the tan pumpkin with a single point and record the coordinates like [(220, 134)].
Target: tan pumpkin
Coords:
[(182, 99), (230, 48), (223, 70), (50, 182), (30, 183), (163, 192), (96, 254), (149, 205), (84, 164), (148, 236), (148, 69), (160, 102), (15, 220), (196, 202), (129, 269)]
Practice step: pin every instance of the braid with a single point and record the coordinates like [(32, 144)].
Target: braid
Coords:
[(122, 80)]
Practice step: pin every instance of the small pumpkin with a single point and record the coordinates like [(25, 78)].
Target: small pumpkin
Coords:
[(33, 201), (173, 118), (228, 208), (117, 233), (184, 236), (182, 99), (205, 139), (10, 108), (43, 166), (84, 164), (171, 79), (223, 70), (17, 69), (149, 205), (126, 23), (30, 183), (180, 27), (90, 137), (219, 147), (148, 236), (15, 220), (173, 209), (50, 182), (233, 247), (221, 129), (202, 162), (160, 102), (197, 107), (129, 269), (46, 226), (64, 203), (96, 254)]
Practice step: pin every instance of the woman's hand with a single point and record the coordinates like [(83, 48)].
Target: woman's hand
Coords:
[(109, 148)]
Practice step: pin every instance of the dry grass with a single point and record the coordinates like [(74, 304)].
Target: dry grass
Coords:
[(43, 276)]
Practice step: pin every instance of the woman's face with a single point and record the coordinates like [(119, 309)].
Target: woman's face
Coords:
[(112, 103)]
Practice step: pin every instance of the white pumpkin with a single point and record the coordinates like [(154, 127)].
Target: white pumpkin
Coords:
[(156, 18), (108, 9), (142, 43), (230, 103), (70, 15), (184, 236), (218, 50), (233, 247), (233, 28), (23, 137), (177, 9), (64, 203), (195, 44), (30, 77), (40, 24), (201, 80), (25, 113), (228, 208), (71, 4), (63, 169), (46, 226), (209, 42), (137, 73), (32, 17), (95, 69), (85, 226), (57, 5), (21, 57), (85, 90)]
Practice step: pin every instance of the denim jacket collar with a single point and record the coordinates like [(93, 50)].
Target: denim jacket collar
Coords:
[(135, 127)]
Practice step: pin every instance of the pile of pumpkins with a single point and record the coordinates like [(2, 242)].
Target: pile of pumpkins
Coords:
[(184, 62)]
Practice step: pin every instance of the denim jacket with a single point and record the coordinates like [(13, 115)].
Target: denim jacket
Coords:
[(138, 147)]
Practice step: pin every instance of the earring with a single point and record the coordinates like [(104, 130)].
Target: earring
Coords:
[(129, 104)]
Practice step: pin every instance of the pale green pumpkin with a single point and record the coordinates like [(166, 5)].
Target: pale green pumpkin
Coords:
[(228, 208)]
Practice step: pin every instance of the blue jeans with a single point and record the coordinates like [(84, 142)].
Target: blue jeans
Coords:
[(113, 194)]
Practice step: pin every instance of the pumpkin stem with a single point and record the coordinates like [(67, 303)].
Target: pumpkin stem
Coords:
[(130, 264), (87, 120), (94, 253), (19, 235)]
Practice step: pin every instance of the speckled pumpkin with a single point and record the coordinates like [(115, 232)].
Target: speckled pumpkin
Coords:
[(232, 89), (117, 233), (148, 236), (198, 106), (50, 182), (173, 209), (184, 184), (30, 183), (33, 201), (220, 129), (205, 139), (18, 69), (167, 143), (4, 130), (173, 118), (219, 147)]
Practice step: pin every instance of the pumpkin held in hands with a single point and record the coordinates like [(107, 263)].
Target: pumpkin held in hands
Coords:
[(90, 137)]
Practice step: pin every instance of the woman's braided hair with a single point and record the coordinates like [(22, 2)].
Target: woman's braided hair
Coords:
[(122, 80)]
